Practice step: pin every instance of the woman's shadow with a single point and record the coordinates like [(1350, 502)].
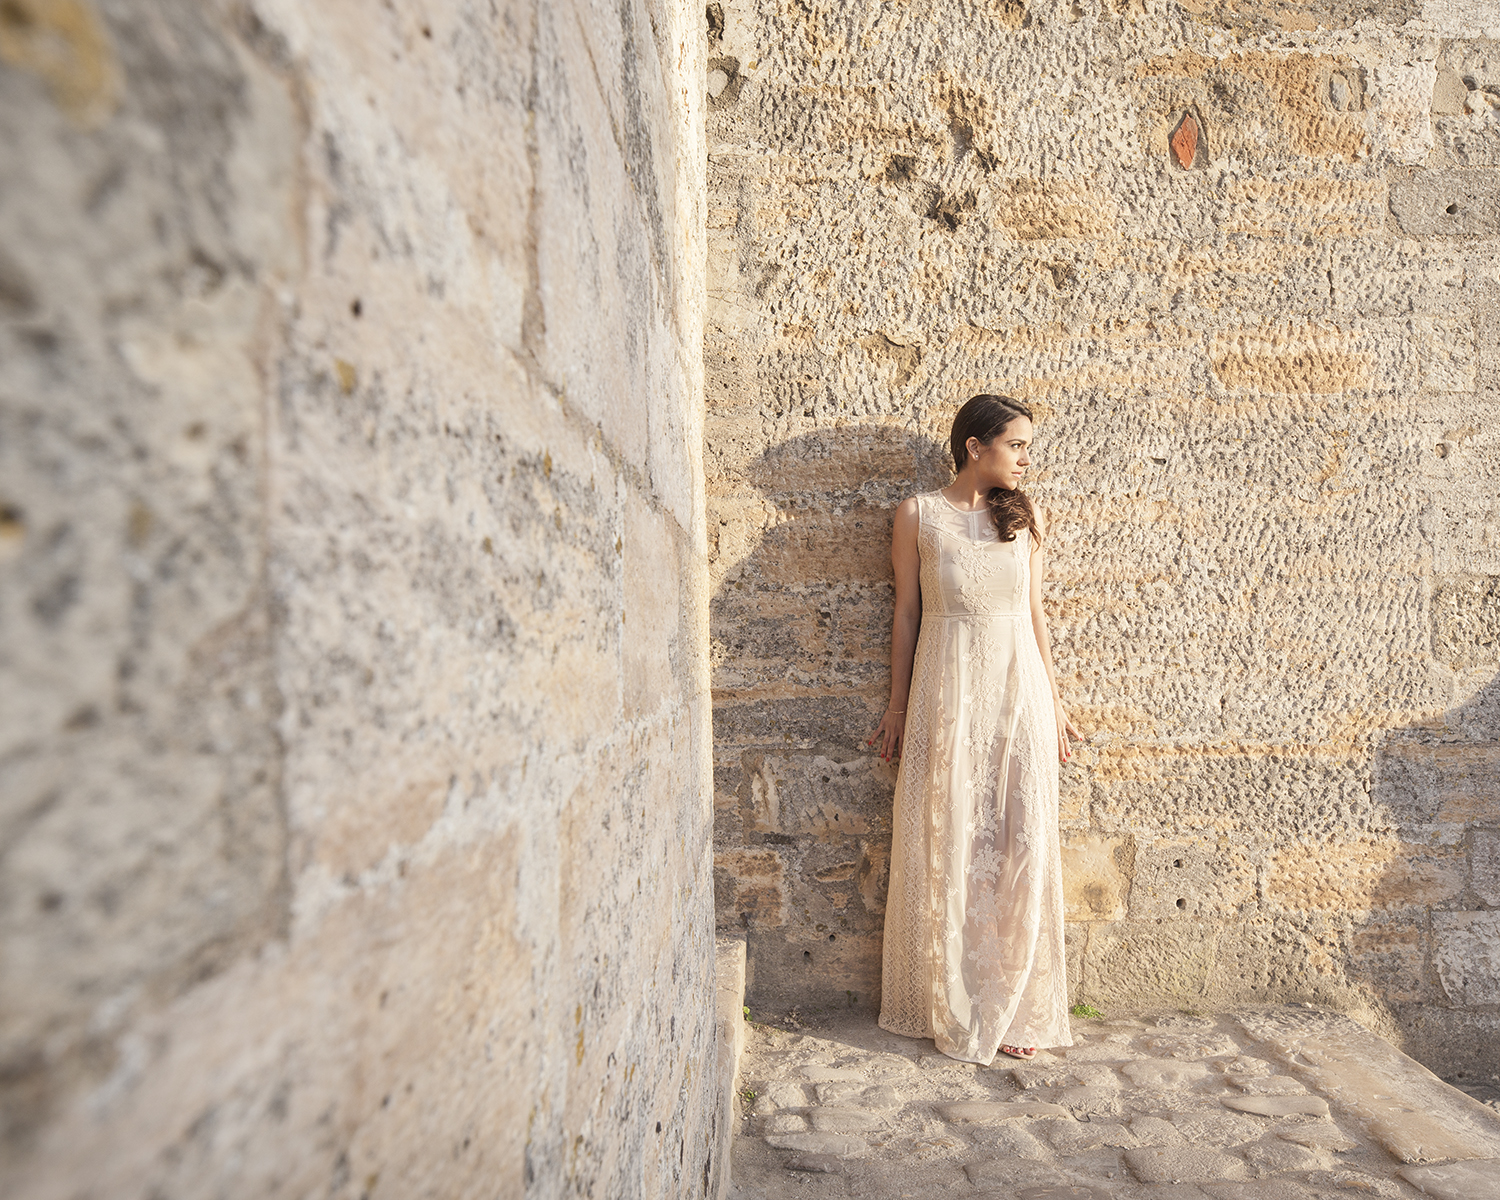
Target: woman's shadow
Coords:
[(1429, 949), (799, 551)]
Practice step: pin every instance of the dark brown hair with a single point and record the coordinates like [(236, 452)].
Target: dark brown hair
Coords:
[(985, 417)]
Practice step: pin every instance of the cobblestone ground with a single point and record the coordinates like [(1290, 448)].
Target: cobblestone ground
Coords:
[(1263, 1104)]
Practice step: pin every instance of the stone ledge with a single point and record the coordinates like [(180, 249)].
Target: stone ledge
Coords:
[(729, 1017)]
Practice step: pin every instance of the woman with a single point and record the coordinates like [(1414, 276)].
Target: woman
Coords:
[(974, 921)]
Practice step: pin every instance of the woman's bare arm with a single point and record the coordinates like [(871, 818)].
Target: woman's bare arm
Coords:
[(905, 624), (1044, 644)]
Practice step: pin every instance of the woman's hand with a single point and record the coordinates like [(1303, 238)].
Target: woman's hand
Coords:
[(889, 733), (1064, 728)]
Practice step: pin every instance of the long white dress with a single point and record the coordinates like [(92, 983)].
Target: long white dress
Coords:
[(974, 952)]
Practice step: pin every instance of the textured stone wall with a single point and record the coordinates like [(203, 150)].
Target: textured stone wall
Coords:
[(1245, 260), (353, 608)]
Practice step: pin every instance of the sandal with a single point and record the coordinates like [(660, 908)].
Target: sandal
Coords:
[(1019, 1051)]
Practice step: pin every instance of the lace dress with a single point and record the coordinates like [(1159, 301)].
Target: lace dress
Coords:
[(974, 920)]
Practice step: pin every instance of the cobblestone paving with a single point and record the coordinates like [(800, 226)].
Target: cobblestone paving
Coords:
[(1263, 1104)]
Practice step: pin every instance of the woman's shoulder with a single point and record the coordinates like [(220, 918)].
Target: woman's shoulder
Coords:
[(910, 516)]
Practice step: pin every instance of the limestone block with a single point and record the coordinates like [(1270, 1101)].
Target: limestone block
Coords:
[(1467, 617), (1453, 784), (1279, 1106), (1273, 1157), (1371, 873), (840, 1145), (1217, 1128), (1164, 1073), (1391, 955), (1466, 951), (1096, 877), (1155, 1131), (1126, 959), (1413, 1114), (1447, 203), (1013, 1141), (1402, 102), (1207, 1043), (1183, 1164), (1265, 1189), (1066, 1074), (844, 1120), (1484, 866), (751, 884), (1089, 1135), (1320, 1135), (1181, 880), (1474, 1180), (780, 1122)]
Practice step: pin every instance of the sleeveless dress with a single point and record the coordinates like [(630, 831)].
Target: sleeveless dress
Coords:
[(973, 954)]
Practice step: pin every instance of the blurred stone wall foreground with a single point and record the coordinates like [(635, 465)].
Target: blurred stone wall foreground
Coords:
[(353, 608), (1245, 260)]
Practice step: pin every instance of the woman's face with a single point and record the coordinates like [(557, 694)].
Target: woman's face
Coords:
[(1005, 459)]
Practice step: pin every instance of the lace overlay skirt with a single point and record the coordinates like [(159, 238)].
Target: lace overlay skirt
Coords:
[(974, 953)]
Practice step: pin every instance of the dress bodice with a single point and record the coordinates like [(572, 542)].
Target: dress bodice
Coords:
[(966, 569)]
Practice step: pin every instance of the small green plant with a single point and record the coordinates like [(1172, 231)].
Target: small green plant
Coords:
[(1087, 1011), (748, 1095), (746, 1010)]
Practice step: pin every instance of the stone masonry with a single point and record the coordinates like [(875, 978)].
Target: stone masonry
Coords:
[(354, 718), (1244, 259)]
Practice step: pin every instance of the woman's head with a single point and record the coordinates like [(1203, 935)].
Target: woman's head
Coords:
[(992, 436), (980, 422)]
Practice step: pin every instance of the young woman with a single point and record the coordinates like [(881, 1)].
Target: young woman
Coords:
[(974, 921)]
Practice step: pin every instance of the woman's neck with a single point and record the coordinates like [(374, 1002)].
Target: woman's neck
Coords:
[(966, 492)]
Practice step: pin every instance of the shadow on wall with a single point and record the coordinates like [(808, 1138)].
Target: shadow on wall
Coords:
[(800, 626), (1430, 945)]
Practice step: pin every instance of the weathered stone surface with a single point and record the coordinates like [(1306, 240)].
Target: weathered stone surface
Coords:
[(864, 1096), (1183, 1164), (1212, 1128), (1279, 1106), (1265, 1189), (354, 723), (844, 1120), (780, 1122), (836, 1144), (1277, 1157), (1320, 1135), (1415, 1115), (1467, 953), (1012, 1140), (1155, 1131), (1164, 1073), (1097, 873), (985, 1111), (1448, 203), (1475, 1180), (820, 1074), (1010, 1174), (1067, 1073), (1071, 1136), (1201, 1044), (1484, 866), (816, 1164)]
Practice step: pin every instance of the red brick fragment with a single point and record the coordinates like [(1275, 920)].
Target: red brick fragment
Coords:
[(1185, 142)]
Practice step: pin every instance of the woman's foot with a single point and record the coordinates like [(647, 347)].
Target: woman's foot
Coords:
[(1019, 1051)]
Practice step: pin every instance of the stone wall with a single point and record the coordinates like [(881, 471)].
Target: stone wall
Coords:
[(1245, 260), (353, 614)]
